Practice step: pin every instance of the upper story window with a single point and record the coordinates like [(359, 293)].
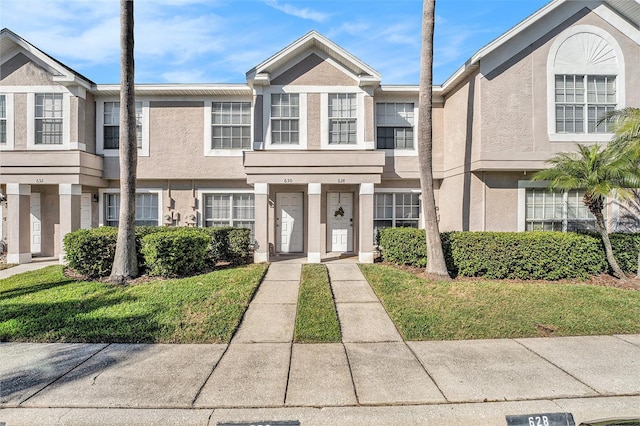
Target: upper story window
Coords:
[(585, 81), (285, 119), (112, 125), (582, 101), (3, 119), (343, 110), (394, 123), (231, 125), (48, 119)]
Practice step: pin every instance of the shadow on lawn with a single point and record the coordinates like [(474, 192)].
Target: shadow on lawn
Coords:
[(24, 290)]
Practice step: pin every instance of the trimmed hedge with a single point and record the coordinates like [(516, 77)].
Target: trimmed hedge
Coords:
[(178, 253), (523, 255), (91, 252)]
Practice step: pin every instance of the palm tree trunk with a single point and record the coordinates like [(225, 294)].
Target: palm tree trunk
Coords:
[(436, 265), (125, 263), (601, 227)]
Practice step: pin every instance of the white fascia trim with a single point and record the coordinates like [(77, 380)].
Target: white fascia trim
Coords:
[(205, 191), (367, 189), (266, 118), (142, 152), (18, 189), (397, 190), (66, 124), (104, 191), (9, 119), (35, 89), (210, 152), (551, 83), (314, 189)]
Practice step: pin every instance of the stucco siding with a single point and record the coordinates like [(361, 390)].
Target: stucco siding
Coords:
[(20, 71), (20, 125), (502, 201), (313, 71), (89, 106), (313, 121)]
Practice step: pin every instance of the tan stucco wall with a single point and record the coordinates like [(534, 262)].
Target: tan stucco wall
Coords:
[(176, 147), (313, 71), (501, 204), (75, 122), (20, 71), (20, 126), (521, 85), (313, 121), (89, 106), (369, 118)]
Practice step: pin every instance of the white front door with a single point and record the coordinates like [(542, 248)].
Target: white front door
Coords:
[(36, 224), (289, 220), (85, 211), (340, 221)]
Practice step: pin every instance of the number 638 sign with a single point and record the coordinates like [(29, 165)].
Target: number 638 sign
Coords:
[(550, 419)]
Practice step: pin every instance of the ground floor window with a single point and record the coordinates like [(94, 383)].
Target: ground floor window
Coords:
[(397, 210), (548, 210), (146, 209), (230, 210)]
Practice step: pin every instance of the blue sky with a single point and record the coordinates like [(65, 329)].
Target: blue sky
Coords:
[(218, 41)]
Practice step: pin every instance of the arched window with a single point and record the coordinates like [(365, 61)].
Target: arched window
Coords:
[(585, 81)]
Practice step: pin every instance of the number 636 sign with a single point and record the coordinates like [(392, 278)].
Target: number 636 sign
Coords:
[(550, 419)]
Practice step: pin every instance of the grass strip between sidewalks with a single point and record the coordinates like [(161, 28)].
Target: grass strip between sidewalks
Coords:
[(46, 306), (483, 309), (316, 320)]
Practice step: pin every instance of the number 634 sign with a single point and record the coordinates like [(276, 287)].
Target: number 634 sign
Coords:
[(550, 419)]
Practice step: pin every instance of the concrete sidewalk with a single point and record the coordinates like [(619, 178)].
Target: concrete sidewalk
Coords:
[(372, 377)]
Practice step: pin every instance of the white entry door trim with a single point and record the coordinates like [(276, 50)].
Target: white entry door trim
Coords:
[(289, 222), (85, 211), (36, 224), (340, 222)]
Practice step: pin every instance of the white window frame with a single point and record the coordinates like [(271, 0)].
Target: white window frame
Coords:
[(220, 191), (102, 192), (100, 149), (302, 118), (523, 185), (208, 130), (66, 122), (9, 119), (394, 191), (360, 120), (413, 126), (568, 69)]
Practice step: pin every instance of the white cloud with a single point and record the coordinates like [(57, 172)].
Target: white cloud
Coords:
[(304, 13)]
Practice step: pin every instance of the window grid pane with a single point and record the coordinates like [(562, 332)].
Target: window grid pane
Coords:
[(112, 125), (395, 210), (548, 210), (285, 111), (146, 209), (48, 119), (230, 210), (582, 101), (231, 125), (342, 118)]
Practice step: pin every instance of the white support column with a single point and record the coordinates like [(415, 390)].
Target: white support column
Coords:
[(70, 200), (261, 253), (314, 203), (365, 224), (18, 223)]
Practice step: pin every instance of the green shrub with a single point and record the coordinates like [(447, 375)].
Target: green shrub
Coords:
[(625, 248), (219, 244), (239, 241), (404, 246), (527, 255), (90, 252), (524, 255), (176, 253)]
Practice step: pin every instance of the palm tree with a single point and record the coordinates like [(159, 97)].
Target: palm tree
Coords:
[(626, 126), (600, 172), (125, 262), (436, 265)]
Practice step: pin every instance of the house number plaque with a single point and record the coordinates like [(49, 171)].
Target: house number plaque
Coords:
[(550, 419)]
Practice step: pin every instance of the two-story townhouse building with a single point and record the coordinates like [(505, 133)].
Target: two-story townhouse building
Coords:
[(314, 153)]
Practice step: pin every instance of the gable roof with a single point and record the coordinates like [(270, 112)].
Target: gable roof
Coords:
[(11, 43), (529, 30), (261, 73)]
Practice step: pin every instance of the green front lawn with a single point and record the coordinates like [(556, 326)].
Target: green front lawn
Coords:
[(482, 309), (46, 306), (316, 319)]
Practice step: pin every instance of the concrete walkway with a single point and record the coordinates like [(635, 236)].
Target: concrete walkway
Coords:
[(372, 377)]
